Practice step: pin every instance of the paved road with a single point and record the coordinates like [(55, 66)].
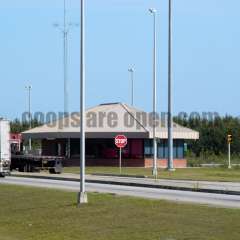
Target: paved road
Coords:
[(205, 185), (152, 193)]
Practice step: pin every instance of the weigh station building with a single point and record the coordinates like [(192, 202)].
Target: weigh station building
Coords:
[(103, 124)]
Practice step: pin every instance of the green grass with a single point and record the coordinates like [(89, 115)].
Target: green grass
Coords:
[(210, 158), (209, 174), (38, 214)]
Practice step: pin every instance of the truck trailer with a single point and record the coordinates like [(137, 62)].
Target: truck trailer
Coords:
[(5, 152), (34, 163)]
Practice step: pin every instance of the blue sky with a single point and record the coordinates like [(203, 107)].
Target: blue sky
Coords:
[(206, 54)]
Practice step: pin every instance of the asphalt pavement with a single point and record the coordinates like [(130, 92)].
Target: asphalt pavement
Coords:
[(220, 200)]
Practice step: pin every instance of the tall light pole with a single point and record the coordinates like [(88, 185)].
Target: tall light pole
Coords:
[(29, 88), (170, 117), (131, 70), (82, 195), (65, 28), (65, 57), (155, 170)]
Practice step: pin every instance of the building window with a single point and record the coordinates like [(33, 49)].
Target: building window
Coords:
[(160, 149), (148, 148), (180, 149)]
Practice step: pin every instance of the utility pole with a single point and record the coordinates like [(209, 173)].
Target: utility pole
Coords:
[(155, 170), (29, 88), (131, 70), (82, 195), (170, 117)]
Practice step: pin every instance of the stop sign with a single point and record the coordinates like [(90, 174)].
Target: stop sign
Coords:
[(120, 141)]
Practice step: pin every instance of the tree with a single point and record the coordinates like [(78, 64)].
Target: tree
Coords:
[(213, 134)]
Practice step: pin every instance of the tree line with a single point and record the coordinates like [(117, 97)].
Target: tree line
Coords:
[(213, 134), (18, 126)]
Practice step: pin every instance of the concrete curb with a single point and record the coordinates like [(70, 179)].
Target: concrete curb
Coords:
[(187, 189), (118, 175), (148, 177)]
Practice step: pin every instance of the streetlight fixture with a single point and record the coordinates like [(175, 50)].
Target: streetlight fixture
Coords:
[(170, 117), (131, 71), (29, 88), (155, 170), (82, 195)]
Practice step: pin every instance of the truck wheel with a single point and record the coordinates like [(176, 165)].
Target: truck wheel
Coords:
[(52, 171), (58, 167), (2, 175)]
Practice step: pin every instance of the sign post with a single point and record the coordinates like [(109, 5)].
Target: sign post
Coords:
[(120, 142), (229, 156), (229, 150), (120, 160)]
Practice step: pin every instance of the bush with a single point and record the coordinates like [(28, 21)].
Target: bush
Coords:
[(209, 157)]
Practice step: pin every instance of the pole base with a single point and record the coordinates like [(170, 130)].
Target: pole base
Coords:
[(82, 198), (229, 167), (171, 169), (155, 172)]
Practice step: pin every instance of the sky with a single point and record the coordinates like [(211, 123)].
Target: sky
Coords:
[(206, 52)]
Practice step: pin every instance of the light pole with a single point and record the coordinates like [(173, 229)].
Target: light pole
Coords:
[(131, 70), (170, 117), (155, 171), (82, 195), (29, 88), (65, 58), (65, 28)]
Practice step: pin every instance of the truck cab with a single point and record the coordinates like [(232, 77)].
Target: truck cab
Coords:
[(5, 152)]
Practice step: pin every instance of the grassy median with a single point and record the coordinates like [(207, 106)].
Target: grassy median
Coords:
[(208, 174), (37, 214)]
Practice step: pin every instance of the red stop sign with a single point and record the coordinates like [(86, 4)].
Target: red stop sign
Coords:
[(120, 141)]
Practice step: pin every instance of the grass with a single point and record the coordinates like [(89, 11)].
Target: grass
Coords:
[(208, 174), (37, 214), (210, 158)]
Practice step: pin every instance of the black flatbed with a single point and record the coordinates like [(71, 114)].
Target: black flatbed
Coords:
[(33, 163)]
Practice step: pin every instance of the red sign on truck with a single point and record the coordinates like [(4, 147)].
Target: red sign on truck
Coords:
[(121, 141)]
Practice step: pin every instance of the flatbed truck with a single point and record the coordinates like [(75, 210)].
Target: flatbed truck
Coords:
[(33, 163)]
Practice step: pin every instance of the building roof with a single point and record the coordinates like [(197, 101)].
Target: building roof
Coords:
[(108, 120)]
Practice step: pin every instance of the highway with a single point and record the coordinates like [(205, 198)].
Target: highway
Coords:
[(221, 200)]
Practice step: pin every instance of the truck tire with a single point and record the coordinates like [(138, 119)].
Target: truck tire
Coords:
[(2, 175), (58, 168), (52, 171)]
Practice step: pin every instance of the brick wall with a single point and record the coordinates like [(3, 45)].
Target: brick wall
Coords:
[(162, 163), (106, 162)]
